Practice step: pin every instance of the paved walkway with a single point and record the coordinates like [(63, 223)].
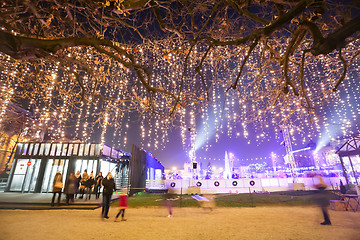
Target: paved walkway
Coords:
[(258, 223), (42, 201)]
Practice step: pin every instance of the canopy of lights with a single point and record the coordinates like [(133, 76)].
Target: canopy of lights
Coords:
[(229, 89)]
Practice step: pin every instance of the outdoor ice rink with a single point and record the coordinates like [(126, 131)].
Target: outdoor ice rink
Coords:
[(187, 223)]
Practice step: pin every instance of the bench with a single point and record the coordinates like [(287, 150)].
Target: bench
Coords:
[(338, 205)]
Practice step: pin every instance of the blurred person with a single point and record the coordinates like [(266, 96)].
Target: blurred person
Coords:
[(77, 182), (169, 198), (123, 204), (209, 202), (57, 187), (98, 184), (83, 180), (109, 187), (323, 200), (342, 187), (70, 188), (89, 185)]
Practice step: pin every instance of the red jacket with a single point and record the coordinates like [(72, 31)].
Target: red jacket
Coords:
[(123, 201)]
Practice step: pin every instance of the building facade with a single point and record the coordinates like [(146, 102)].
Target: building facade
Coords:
[(36, 163)]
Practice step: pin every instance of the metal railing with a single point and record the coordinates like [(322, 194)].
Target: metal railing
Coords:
[(3, 182)]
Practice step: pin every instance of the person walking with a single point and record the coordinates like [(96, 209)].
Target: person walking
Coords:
[(70, 188), (323, 200), (169, 199), (98, 184), (77, 182), (109, 188), (57, 187), (123, 204), (89, 185)]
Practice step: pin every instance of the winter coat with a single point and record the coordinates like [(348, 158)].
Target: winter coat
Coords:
[(90, 182), (109, 186), (123, 201), (57, 178), (83, 180), (99, 180), (77, 180), (70, 186)]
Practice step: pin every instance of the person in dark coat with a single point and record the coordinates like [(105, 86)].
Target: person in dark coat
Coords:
[(109, 188), (70, 188), (57, 187), (77, 182), (98, 184), (342, 187), (323, 200), (89, 185)]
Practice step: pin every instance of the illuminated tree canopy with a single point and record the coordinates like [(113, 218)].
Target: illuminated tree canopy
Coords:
[(268, 63)]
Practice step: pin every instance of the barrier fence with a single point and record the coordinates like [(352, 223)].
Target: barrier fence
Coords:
[(241, 185)]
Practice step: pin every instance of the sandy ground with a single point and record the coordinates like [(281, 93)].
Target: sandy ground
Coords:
[(186, 223)]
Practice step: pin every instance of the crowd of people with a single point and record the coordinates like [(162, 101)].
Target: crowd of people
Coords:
[(77, 186), (86, 184)]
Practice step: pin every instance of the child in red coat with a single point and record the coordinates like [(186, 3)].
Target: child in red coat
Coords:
[(123, 204)]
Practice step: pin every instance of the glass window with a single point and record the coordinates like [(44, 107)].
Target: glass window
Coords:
[(53, 148), (78, 165), (19, 175), (35, 174), (106, 151), (52, 167), (97, 149), (76, 149), (87, 149), (47, 149), (58, 149), (47, 176), (36, 149), (90, 166), (104, 167), (95, 167), (92, 149), (31, 146), (114, 153), (42, 147), (31, 175), (17, 182), (84, 166), (23, 150), (81, 149), (19, 148), (64, 149), (69, 152)]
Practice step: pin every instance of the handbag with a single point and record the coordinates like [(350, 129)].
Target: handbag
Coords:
[(59, 185)]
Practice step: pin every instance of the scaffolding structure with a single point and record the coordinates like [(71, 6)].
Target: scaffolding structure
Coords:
[(289, 158)]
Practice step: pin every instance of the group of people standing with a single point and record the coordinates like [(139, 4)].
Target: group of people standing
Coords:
[(109, 187), (83, 184), (77, 184)]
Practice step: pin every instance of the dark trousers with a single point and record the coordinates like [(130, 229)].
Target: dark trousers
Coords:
[(88, 191), (106, 205), (69, 197), (53, 198), (97, 191), (325, 213), (121, 211), (82, 192)]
